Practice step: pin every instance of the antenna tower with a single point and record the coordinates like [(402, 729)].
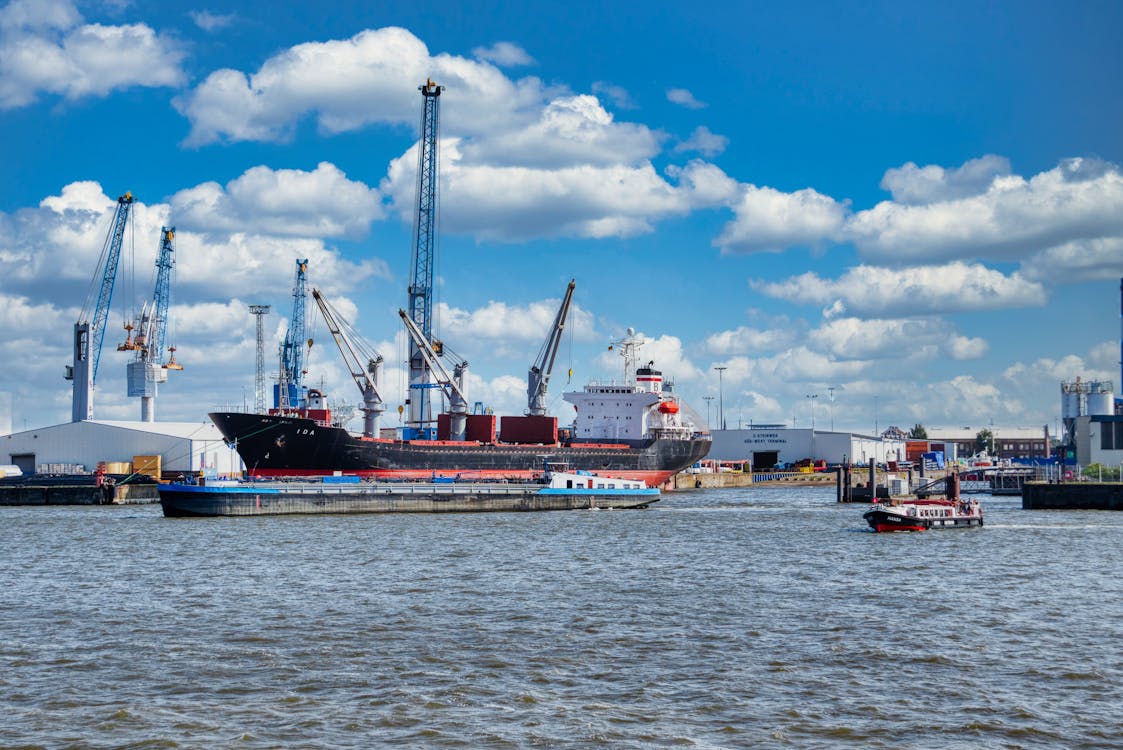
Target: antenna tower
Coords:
[(259, 383)]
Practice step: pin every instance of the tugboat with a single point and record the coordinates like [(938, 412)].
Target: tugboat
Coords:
[(923, 513)]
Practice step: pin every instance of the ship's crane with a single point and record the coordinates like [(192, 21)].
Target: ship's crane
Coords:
[(454, 387), (148, 370), (364, 363), (538, 379), (290, 392), (90, 333), (420, 304)]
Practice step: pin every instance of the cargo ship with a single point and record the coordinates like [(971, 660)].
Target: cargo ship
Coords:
[(633, 429), (555, 490)]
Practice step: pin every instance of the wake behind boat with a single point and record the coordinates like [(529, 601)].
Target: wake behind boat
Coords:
[(559, 490)]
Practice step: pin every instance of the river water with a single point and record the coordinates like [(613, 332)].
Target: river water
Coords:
[(764, 618)]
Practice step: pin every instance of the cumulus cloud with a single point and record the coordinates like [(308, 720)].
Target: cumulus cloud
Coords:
[(666, 351), (855, 338), (745, 340), (683, 98), (704, 142), (770, 220), (208, 21), (1081, 260), (320, 203), (913, 185), (512, 203), (870, 291), (504, 54), (506, 330), (347, 84), (44, 47)]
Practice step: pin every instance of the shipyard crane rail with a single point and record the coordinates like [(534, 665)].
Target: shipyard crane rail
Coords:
[(538, 379), (89, 333), (361, 359), (290, 391), (453, 386), (423, 253)]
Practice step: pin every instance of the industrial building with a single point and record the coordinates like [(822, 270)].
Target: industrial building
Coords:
[(77, 447), (767, 446)]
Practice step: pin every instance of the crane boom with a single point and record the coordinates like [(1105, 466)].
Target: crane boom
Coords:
[(90, 333), (538, 379), (163, 295), (451, 385), (420, 303), (146, 371), (354, 351)]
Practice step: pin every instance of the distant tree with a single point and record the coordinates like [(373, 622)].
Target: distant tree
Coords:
[(984, 441), (918, 432)]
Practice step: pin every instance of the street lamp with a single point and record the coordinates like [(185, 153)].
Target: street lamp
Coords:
[(720, 397), (812, 397), (709, 401), (830, 390)]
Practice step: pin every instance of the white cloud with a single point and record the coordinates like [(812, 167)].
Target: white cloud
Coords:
[(870, 291), (744, 340), (1082, 260), (321, 203), (704, 142), (43, 49), (684, 98), (1080, 199), (666, 352), (854, 338), (516, 203), (373, 77), (913, 185), (502, 330), (208, 21), (768, 220), (504, 54)]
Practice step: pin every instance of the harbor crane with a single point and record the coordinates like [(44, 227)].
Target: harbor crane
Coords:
[(422, 259), (148, 370), (453, 387), (364, 363), (290, 392), (538, 379), (89, 333)]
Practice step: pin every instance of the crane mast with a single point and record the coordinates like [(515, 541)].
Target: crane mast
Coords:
[(354, 350), (90, 333), (538, 378), (147, 369), (420, 305), (290, 392)]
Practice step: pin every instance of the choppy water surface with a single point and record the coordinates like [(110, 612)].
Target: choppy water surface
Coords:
[(720, 618)]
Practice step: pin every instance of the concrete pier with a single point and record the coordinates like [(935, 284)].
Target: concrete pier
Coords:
[(42, 493), (1073, 496)]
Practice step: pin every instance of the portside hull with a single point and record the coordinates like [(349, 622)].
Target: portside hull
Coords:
[(179, 501), (273, 445)]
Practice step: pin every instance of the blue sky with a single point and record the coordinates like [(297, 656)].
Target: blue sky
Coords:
[(918, 207)]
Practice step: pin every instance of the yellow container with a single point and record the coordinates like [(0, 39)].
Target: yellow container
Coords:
[(150, 465), (118, 467)]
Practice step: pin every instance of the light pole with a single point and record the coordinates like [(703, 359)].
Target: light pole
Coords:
[(812, 397), (720, 397), (709, 401), (831, 392)]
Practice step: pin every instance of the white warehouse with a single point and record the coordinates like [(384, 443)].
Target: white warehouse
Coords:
[(769, 445), (183, 447)]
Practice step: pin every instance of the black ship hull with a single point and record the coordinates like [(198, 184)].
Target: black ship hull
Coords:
[(273, 445)]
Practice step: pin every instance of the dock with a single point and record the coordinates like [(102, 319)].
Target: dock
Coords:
[(1072, 496)]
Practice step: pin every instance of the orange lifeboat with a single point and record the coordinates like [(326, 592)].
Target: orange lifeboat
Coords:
[(668, 407)]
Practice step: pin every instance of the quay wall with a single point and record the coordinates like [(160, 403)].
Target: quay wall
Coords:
[(1073, 496), (54, 494)]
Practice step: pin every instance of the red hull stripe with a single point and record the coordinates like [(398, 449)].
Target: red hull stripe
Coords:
[(894, 527)]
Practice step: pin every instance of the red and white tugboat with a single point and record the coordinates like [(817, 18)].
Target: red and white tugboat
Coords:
[(921, 514)]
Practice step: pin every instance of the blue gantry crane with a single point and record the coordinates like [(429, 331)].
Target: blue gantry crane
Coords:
[(290, 391), (420, 305), (90, 333), (148, 368)]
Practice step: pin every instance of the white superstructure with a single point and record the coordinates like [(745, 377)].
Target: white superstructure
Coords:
[(640, 407)]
